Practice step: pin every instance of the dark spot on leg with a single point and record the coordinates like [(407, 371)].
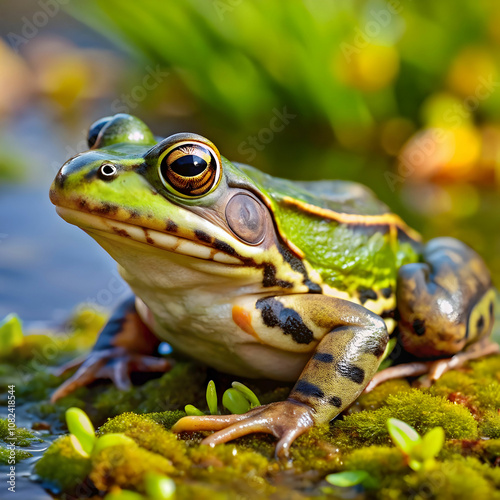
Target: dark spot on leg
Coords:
[(308, 389), (134, 214), (224, 247), (386, 292), (274, 314), (491, 309), (480, 323), (419, 327), (271, 280), (202, 236), (377, 348), (335, 401), (324, 357), (366, 294), (171, 226), (352, 372)]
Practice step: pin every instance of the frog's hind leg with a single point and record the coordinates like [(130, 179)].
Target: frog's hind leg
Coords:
[(446, 310), (124, 345), (349, 342)]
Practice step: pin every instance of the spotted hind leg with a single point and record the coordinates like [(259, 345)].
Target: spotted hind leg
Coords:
[(446, 310)]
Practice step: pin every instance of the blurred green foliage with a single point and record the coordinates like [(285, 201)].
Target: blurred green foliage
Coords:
[(343, 68)]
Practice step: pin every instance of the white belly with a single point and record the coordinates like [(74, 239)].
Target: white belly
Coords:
[(188, 303)]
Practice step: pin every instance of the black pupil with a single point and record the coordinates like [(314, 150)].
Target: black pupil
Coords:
[(189, 165), (108, 169)]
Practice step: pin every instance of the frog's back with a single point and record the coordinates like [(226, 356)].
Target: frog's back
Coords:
[(346, 234)]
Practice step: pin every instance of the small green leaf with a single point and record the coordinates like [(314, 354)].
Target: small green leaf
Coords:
[(416, 465), (348, 478), (389, 348), (11, 334), (78, 446), (192, 411), (81, 427), (212, 398), (404, 436), (432, 443), (112, 439), (248, 393), (159, 487), (235, 402)]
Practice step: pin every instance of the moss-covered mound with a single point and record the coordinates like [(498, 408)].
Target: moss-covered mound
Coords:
[(465, 403)]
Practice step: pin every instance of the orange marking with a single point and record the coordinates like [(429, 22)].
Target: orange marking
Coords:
[(243, 319), (388, 218)]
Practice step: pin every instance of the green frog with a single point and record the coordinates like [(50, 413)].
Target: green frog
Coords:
[(263, 277)]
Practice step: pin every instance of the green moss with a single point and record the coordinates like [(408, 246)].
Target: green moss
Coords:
[(22, 436), (149, 435), (459, 479), (489, 396), (486, 368), (378, 461), (490, 426), (451, 382), (62, 466), (126, 466), (421, 411), (186, 382), (6, 455), (226, 467), (167, 418), (377, 398), (314, 451)]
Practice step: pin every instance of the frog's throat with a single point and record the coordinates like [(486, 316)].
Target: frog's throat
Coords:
[(97, 224)]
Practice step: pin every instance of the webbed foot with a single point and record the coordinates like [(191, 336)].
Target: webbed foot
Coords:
[(114, 363), (285, 419)]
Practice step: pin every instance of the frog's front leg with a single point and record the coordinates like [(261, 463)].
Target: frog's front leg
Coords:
[(124, 345), (350, 342), (446, 309)]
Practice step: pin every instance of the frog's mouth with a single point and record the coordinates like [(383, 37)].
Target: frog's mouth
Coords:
[(98, 224)]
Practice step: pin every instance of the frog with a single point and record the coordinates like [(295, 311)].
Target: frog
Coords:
[(261, 277)]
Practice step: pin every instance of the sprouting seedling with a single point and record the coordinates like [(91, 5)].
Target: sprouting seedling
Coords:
[(419, 450), (11, 334), (157, 487), (351, 478), (83, 436), (238, 399)]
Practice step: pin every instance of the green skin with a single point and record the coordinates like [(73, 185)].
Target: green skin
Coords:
[(264, 277)]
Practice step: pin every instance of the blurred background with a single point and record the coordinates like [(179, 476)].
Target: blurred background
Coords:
[(403, 96)]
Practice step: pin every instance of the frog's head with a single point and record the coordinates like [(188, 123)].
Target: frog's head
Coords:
[(177, 195)]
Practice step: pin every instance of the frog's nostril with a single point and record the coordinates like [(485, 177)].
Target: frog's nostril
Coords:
[(107, 171)]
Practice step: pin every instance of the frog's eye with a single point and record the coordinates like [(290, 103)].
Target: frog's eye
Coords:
[(190, 169)]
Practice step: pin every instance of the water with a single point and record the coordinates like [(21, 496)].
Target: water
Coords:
[(47, 266)]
